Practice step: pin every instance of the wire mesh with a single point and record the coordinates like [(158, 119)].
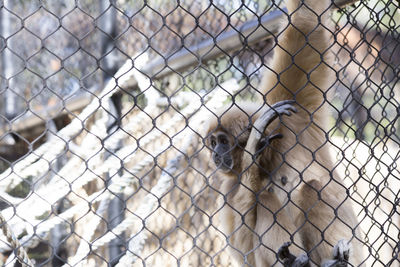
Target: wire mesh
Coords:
[(104, 157)]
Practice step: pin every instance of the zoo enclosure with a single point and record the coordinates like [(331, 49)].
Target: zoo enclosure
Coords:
[(122, 181)]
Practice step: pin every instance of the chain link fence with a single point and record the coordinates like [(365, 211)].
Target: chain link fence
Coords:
[(103, 109)]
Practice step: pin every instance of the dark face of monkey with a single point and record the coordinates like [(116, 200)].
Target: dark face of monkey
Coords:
[(221, 151), (226, 136), (226, 150)]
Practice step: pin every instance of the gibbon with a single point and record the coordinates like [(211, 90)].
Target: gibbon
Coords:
[(277, 178)]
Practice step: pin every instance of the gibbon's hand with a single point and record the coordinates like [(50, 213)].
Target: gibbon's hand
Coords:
[(341, 254), (289, 260), (259, 142)]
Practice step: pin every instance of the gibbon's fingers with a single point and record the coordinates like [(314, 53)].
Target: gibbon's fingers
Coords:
[(289, 260), (279, 104), (301, 261), (280, 108), (283, 107), (285, 255), (334, 263), (341, 254), (253, 145), (341, 251)]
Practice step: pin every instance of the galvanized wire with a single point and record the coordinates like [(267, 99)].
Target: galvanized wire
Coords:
[(172, 63)]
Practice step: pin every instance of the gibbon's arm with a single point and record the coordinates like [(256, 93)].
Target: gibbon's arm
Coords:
[(250, 190), (257, 142), (299, 69)]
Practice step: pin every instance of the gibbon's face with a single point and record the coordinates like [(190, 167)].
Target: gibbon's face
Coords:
[(226, 150), (221, 151), (226, 136)]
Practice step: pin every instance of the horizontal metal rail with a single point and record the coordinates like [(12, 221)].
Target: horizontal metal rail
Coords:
[(250, 32)]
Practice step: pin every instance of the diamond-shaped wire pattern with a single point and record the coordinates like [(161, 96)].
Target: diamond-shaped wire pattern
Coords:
[(105, 158)]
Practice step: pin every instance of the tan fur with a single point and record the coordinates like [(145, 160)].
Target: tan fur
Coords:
[(312, 210)]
